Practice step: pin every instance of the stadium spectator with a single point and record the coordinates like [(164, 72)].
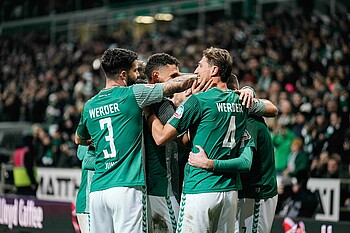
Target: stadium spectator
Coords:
[(300, 123), (335, 135), (302, 203), (24, 168), (333, 167), (317, 132), (346, 148), (297, 101), (42, 145), (318, 167), (282, 139), (297, 159)]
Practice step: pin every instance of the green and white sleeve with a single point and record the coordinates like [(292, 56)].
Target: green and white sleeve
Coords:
[(258, 108), (147, 94)]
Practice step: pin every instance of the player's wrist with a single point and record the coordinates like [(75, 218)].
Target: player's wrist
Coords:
[(210, 165)]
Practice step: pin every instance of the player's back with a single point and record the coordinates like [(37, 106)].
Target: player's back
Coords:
[(114, 121), (217, 127), (222, 123), (260, 182)]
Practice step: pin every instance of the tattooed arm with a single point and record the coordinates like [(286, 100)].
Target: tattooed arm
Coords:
[(178, 84)]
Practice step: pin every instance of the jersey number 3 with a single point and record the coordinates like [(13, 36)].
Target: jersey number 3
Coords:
[(229, 140), (109, 138)]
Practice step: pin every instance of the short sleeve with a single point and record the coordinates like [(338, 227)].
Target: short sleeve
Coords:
[(147, 94)]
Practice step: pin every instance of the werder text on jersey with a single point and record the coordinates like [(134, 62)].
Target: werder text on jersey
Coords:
[(104, 110), (229, 107)]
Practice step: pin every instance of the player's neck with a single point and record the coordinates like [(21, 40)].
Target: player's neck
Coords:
[(222, 86), (218, 83), (114, 83)]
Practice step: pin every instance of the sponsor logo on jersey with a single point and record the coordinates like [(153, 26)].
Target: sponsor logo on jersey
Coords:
[(104, 95), (149, 85), (179, 112)]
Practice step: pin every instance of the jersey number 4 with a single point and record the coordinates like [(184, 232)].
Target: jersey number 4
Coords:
[(229, 140), (107, 122)]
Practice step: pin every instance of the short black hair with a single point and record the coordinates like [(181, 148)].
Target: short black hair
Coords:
[(157, 61), (116, 60)]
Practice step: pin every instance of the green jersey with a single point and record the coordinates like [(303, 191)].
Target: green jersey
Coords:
[(113, 120), (82, 202), (260, 182), (161, 161), (216, 120), (239, 164)]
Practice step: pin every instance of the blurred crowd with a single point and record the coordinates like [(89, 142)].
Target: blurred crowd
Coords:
[(300, 63)]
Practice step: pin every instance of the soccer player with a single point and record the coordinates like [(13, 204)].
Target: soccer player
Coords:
[(162, 161), (216, 121), (258, 198), (162, 170), (112, 121), (82, 201)]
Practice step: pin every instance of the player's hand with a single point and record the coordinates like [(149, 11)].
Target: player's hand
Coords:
[(200, 159), (202, 87), (85, 142), (199, 87), (246, 96)]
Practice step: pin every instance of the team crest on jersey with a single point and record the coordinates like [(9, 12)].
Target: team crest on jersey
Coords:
[(179, 112), (149, 85)]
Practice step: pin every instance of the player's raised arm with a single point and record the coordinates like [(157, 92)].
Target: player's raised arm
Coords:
[(178, 84), (270, 109), (258, 107)]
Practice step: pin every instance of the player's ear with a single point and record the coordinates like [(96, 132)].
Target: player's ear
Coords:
[(123, 74), (155, 75), (215, 71)]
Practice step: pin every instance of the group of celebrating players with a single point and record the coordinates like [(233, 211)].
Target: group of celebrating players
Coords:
[(133, 138)]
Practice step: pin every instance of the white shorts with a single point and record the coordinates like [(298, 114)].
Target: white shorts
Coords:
[(256, 215), (118, 210), (84, 222), (163, 213), (208, 212)]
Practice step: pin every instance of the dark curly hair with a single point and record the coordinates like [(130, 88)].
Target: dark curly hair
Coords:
[(158, 60), (115, 60), (222, 59)]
